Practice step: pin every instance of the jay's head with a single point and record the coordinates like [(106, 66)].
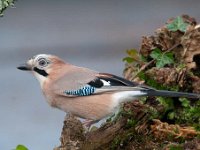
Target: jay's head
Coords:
[(42, 66)]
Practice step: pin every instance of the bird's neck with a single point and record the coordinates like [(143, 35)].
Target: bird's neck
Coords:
[(40, 78)]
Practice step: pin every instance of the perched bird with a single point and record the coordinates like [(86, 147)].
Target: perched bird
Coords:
[(86, 93)]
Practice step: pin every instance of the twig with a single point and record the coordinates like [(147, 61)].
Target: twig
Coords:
[(144, 67), (153, 60), (174, 46)]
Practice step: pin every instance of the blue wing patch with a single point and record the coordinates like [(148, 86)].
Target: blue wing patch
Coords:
[(84, 91)]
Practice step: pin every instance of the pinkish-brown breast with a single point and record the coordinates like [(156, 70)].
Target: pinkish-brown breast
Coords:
[(93, 107)]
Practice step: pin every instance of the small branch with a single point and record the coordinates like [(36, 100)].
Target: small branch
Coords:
[(153, 60), (173, 47), (144, 67)]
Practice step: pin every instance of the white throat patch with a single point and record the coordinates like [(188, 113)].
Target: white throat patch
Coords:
[(40, 78)]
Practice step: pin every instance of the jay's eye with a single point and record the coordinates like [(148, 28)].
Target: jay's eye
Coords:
[(42, 62)]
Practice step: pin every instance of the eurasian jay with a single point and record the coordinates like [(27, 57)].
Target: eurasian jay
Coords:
[(86, 93)]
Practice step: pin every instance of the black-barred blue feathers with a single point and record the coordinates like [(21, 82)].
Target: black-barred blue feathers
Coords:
[(85, 91)]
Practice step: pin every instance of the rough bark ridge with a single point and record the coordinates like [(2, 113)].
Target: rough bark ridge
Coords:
[(152, 123)]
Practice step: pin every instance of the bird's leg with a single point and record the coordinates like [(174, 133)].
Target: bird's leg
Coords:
[(88, 122), (88, 125)]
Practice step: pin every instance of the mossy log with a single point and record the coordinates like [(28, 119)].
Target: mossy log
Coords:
[(134, 129), (152, 123), (106, 137)]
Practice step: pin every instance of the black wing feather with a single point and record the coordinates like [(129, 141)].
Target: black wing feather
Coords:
[(97, 83), (119, 81), (112, 79)]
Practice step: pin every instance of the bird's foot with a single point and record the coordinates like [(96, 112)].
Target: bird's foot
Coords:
[(88, 123)]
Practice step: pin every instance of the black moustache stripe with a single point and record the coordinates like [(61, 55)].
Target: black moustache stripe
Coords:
[(41, 72)]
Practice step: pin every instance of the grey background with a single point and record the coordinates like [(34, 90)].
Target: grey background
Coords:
[(93, 34)]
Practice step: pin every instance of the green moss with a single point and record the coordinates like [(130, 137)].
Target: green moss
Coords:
[(183, 113), (143, 100), (131, 123), (153, 113), (150, 81), (123, 139), (188, 113), (167, 102), (115, 143), (196, 126), (175, 147)]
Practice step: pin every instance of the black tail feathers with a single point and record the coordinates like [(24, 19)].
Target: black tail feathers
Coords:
[(171, 94)]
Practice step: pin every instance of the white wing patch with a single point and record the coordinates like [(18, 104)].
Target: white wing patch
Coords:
[(105, 83)]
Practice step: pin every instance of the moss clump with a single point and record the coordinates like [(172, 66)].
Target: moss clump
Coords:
[(171, 63)]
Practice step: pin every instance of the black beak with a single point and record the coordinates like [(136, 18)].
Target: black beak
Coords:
[(24, 67)]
